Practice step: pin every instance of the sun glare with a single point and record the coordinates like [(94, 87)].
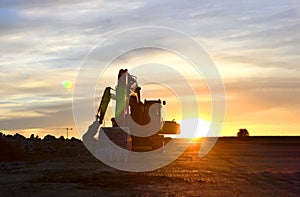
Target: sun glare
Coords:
[(194, 128), (67, 84)]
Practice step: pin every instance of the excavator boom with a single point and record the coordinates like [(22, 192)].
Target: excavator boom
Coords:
[(103, 105)]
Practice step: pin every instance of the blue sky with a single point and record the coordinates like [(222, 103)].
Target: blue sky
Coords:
[(255, 45)]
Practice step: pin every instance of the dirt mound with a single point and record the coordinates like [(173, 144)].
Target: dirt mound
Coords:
[(10, 151), (19, 148)]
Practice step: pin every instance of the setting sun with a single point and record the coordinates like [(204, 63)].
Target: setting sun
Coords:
[(193, 128)]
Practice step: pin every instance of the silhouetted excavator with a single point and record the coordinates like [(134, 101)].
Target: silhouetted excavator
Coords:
[(142, 120)]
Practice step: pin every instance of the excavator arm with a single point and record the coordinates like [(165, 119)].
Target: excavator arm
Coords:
[(103, 105)]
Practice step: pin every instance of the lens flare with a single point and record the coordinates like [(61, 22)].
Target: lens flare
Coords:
[(67, 84)]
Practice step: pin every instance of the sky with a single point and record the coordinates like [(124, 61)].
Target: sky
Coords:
[(254, 44)]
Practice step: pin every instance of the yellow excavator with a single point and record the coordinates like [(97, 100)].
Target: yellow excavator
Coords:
[(137, 126)]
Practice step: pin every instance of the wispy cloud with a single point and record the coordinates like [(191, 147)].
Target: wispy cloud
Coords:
[(255, 45)]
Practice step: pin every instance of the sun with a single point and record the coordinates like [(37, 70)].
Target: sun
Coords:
[(193, 128)]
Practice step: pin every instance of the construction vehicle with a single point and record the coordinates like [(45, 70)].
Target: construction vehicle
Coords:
[(137, 126)]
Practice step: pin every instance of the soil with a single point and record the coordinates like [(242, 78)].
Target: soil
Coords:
[(254, 166)]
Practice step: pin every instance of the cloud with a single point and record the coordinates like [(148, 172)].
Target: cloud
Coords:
[(57, 118), (255, 45)]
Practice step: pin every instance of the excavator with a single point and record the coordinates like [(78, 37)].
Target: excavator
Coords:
[(137, 126)]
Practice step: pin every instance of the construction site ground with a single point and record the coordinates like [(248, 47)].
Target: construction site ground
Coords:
[(268, 166)]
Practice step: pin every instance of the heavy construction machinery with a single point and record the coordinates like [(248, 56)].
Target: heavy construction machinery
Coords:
[(137, 125)]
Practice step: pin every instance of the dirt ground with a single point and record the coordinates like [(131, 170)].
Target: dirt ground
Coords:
[(234, 167)]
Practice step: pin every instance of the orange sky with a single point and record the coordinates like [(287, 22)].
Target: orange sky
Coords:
[(254, 45)]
